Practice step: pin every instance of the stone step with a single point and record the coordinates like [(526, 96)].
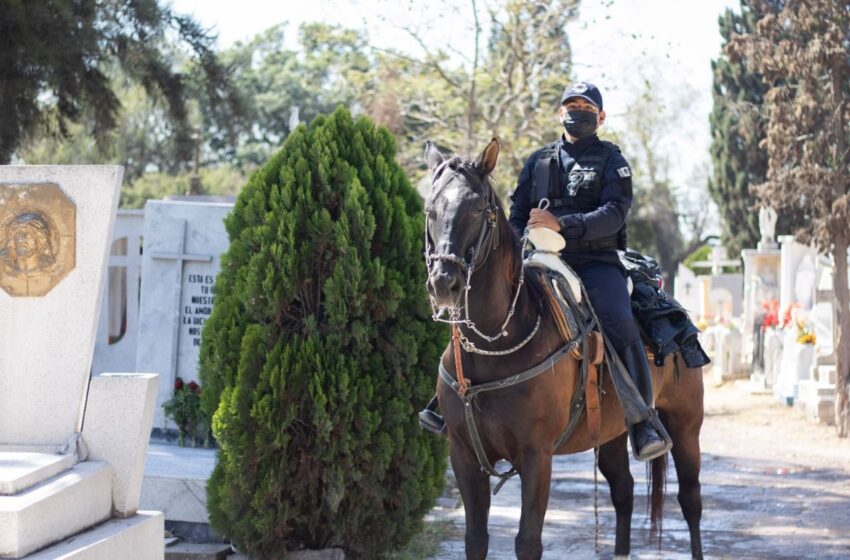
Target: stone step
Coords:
[(20, 470), (189, 551), (66, 504), (135, 538)]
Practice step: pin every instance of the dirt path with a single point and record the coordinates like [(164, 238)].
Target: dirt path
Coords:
[(774, 486)]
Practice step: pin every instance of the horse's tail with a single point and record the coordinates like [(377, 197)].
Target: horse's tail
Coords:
[(656, 480)]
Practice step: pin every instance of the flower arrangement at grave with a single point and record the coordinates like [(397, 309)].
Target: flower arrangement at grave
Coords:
[(184, 408), (319, 351), (805, 332), (789, 314), (770, 319)]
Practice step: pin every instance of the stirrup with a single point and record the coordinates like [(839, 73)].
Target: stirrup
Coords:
[(430, 420), (659, 448)]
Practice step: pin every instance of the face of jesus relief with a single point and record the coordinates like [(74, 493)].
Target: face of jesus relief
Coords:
[(28, 248)]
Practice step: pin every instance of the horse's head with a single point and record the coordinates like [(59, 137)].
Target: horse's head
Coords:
[(461, 215)]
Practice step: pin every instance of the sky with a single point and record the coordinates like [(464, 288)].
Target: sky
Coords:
[(619, 45)]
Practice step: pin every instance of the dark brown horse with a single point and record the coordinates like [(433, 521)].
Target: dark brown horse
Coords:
[(476, 273)]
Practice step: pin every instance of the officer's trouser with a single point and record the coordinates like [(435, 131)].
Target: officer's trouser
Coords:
[(608, 293)]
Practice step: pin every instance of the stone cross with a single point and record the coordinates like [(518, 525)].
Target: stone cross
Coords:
[(180, 258)]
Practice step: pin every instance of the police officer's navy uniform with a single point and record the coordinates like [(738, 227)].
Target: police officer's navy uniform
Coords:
[(588, 184), (590, 192)]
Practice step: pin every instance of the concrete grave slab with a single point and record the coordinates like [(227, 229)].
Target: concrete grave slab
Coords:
[(46, 340), (175, 482)]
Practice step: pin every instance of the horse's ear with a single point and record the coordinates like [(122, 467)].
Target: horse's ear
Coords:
[(433, 157), (488, 158)]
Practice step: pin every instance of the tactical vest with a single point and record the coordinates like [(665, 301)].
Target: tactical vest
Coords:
[(577, 192)]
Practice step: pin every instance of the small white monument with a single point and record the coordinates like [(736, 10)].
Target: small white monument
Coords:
[(767, 228), (72, 449), (761, 279), (816, 395), (184, 240), (118, 330)]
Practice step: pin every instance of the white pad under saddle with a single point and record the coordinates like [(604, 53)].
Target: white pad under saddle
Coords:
[(551, 261)]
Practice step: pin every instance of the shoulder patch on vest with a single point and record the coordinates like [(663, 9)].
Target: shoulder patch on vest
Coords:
[(624, 172)]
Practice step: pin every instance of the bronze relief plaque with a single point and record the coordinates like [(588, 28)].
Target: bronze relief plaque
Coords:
[(38, 228)]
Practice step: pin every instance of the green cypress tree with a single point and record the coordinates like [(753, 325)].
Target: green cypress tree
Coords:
[(320, 350), (737, 127)]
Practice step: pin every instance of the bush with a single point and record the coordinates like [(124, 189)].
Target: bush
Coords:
[(320, 350)]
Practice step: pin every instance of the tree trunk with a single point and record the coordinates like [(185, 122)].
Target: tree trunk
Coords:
[(842, 338)]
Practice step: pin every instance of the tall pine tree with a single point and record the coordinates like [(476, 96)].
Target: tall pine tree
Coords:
[(320, 350), (737, 127)]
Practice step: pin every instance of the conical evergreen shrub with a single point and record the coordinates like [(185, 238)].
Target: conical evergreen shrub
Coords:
[(320, 350)]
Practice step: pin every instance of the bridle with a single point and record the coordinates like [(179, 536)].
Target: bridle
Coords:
[(487, 242)]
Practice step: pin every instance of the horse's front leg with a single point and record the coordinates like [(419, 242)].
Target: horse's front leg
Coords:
[(474, 486), (535, 470)]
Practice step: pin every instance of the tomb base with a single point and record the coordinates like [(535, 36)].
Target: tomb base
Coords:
[(816, 401), (139, 537), (175, 482), (67, 503)]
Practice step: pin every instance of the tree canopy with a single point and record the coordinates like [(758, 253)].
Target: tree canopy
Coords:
[(55, 67), (803, 51)]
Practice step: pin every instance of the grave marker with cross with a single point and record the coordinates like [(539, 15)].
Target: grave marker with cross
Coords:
[(183, 242)]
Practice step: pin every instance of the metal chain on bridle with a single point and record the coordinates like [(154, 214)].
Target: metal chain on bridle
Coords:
[(487, 242)]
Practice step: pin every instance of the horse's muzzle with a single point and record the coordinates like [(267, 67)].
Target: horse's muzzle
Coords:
[(445, 286)]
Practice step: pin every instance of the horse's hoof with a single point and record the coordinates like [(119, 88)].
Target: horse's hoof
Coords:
[(623, 557)]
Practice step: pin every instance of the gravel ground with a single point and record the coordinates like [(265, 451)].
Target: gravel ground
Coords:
[(774, 486)]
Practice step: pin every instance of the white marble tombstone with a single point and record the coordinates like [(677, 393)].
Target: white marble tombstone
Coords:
[(184, 240), (761, 284), (791, 257), (727, 356), (117, 332), (686, 291), (71, 448)]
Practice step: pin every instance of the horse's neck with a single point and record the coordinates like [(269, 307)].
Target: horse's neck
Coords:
[(490, 299)]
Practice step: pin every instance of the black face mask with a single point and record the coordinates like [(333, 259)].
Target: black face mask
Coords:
[(580, 124)]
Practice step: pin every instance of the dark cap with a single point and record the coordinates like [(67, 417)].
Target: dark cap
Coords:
[(585, 90)]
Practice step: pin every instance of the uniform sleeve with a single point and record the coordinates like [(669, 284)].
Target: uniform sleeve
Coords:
[(615, 201), (521, 197)]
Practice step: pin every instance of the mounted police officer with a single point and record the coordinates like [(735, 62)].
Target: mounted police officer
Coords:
[(588, 184)]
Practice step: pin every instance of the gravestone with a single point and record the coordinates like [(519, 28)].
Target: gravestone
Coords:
[(117, 332), (761, 284), (817, 393), (183, 242), (791, 289), (686, 291), (727, 357), (71, 448)]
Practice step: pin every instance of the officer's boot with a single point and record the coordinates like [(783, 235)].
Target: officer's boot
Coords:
[(649, 440), (430, 420)]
